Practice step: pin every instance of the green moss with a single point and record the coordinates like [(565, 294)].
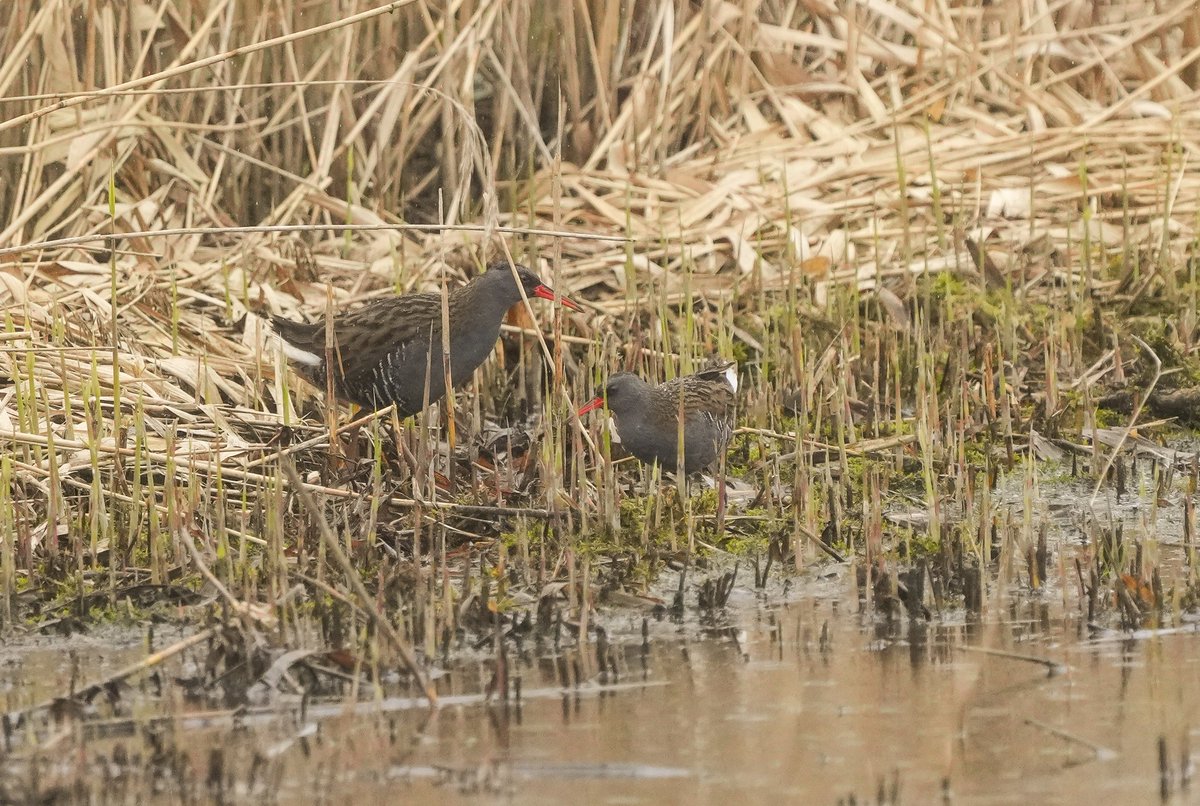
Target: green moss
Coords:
[(747, 545), (1108, 418), (921, 544)]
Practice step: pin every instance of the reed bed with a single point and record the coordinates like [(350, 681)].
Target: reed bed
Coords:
[(934, 235)]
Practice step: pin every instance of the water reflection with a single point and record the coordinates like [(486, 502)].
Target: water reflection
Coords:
[(811, 701), (802, 701)]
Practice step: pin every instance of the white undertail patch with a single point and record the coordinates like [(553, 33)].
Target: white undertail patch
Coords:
[(299, 356), (731, 376)]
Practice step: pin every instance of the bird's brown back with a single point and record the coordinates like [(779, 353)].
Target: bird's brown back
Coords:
[(706, 393)]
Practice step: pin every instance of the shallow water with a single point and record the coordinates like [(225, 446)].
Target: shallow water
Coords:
[(803, 702), (800, 701), (793, 696)]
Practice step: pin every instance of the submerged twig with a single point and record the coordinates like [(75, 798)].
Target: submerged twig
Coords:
[(821, 544), (148, 662), (1112, 457), (1102, 752), (1053, 667), (261, 715)]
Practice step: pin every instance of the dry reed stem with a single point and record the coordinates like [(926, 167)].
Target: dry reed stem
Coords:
[(720, 161)]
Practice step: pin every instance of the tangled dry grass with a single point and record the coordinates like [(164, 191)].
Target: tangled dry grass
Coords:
[(802, 184)]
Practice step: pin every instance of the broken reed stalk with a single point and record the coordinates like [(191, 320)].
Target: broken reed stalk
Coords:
[(211, 467), (692, 214), (110, 240), (334, 548)]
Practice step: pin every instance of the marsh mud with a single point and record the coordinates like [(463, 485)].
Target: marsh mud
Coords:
[(801, 691)]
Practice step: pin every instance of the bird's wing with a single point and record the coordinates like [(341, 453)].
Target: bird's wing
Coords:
[(709, 395), (366, 334), (400, 327)]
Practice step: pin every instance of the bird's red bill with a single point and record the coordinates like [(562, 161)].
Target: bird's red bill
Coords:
[(591, 406), (546, 292)]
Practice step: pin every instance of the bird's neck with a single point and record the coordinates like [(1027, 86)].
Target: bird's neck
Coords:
[(484, 301)]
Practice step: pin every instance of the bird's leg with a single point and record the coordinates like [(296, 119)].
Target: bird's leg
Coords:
[(339, 457), (348, 439)]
